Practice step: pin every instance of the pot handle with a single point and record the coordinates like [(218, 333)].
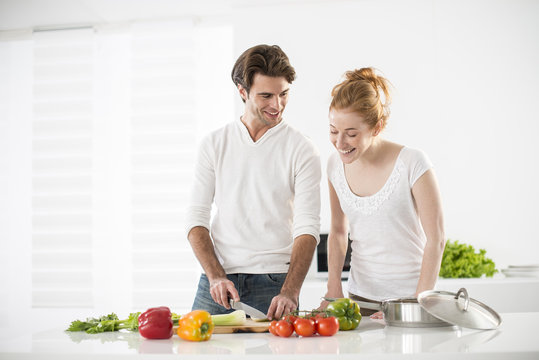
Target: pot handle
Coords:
[(361, 304), (463, 291)]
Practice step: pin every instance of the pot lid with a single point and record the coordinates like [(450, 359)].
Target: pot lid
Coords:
[(459, 309)]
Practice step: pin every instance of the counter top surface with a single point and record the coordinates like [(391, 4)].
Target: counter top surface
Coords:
[(499, 292), (516, 338)]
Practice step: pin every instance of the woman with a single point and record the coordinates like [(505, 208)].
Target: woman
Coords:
[(384, 194)]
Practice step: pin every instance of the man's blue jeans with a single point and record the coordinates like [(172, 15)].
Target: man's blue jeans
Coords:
[(256, 290)]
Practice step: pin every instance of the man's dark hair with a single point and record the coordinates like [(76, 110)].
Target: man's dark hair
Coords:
[(267, 60)]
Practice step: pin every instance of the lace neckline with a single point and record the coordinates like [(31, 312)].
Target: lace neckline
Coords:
[(371, 203)]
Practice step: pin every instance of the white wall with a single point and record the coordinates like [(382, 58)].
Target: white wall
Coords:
[(15, 182), (466, 78), (466, 83)]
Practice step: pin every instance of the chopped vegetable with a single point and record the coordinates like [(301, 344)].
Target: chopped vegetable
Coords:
[(196, 326), (346, 311), (234, 318), (156, 323), (462, 261), (105, 323)]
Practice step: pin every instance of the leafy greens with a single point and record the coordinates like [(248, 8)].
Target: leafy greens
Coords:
[(462, 261), (105, 323)]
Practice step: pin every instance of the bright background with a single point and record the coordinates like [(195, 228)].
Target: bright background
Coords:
[(466, 86)]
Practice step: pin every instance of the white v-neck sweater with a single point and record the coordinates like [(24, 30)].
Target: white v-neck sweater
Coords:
[(266, 193)]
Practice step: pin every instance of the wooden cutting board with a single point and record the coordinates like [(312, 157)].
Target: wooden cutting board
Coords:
[(250, 326)]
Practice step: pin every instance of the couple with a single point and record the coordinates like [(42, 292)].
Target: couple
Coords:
[(263, 177)]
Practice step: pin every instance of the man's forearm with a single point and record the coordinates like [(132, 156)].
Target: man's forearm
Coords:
[(202, 245), (300, 261)]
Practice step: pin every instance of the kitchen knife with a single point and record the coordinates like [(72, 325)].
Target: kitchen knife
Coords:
[(255, 314)]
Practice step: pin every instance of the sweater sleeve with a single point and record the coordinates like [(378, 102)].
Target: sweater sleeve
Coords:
[(307, 194), (202, 189)]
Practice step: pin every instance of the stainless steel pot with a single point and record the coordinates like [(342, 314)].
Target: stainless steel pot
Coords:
[(404, 312), (436, 308)]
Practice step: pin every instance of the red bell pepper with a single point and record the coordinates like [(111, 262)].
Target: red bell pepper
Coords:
[(156, 323)]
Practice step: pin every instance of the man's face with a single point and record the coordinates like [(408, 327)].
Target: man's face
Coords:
[(266, 100)]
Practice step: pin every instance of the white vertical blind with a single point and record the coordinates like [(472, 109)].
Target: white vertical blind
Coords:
[(112, 185), (163, 146), (114, 137), (62, 168)]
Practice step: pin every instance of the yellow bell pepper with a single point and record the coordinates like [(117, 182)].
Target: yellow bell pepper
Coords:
[(195, 326)]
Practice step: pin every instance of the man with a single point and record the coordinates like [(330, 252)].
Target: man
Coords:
[(263, 177)]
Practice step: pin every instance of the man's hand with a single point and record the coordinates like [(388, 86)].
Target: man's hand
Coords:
[(300, 260), (221, 289), (281, 305)]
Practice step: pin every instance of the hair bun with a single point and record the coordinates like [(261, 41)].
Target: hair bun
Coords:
[(366, 93), (363, 74), (367, 74)]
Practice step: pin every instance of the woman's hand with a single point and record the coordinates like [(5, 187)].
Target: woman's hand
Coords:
[(377, 316), (333, 295), (323, 305)]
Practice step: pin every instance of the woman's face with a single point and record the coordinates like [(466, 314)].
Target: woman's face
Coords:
[(349, 133)]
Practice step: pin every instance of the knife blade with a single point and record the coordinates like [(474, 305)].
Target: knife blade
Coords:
[(249, 310)]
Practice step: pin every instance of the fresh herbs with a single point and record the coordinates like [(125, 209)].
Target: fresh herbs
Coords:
[(462, 261), (106, 323)]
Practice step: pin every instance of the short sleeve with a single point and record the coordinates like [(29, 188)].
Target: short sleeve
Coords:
[(331, 167), (418, 164)]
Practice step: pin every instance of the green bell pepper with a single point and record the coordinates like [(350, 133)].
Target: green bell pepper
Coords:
[(346, 311)]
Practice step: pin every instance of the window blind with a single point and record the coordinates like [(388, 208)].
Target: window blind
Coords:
[(62, 169), (114, 138), (163, 148)]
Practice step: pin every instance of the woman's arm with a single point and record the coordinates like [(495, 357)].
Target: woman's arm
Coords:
[(337, 245), (429, 206)]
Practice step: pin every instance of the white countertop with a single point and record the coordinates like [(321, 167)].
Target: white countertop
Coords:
[(516, 338), (503, 294)]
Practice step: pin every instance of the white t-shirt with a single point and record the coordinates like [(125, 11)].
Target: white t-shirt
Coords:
[(386, 233), (266, 194)]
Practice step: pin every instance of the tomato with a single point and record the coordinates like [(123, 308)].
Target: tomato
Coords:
[(272, 326), (304, 327), (327, 326), (283, 328)]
